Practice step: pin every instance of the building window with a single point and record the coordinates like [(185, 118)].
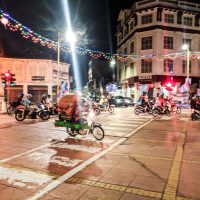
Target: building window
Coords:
[(184, 67), (146, 66), (132, 47), (125, 71), (168, 65), (131, 25), (132, 68), (125, 51), (169, 18), (188, 41), (146, 19), (168, 42), (146, 43), (187, 21), (119, 38), (120, 72), (125, 32)]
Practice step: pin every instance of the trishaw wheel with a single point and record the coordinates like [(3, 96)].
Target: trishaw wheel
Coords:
[(71, 132), (98, 132)]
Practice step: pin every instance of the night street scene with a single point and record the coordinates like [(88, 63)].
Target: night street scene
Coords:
[(99, 99)]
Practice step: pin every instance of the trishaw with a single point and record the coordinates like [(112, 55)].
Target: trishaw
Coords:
[(71, 117)]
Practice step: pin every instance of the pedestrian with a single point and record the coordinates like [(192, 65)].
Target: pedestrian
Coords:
[(193, 104)]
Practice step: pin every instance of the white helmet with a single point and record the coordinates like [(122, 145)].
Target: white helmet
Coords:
[(29, 96)]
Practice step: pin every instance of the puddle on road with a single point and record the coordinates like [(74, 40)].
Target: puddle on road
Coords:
[(87, 149), (22, 178)]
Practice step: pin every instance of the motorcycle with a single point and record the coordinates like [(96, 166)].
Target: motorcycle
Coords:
[(11, 108), (195, 115), (21, 112), (102, 108), (159, 111), (174, 108), (74, 128), (143, 109), (53, 110)]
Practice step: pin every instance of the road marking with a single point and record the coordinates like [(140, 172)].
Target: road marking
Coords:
[(120, 188), (131, 122), (166, 118), (27, 152), (122, 125), (75, 147), (64, 161), (173, 179), (23, 178), (118, 129), (71, 173)]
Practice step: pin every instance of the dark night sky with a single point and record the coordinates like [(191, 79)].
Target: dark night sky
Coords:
[(94, 20)]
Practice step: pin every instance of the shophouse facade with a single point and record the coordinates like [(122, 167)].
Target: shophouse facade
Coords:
[(157, 27), (34, 76)]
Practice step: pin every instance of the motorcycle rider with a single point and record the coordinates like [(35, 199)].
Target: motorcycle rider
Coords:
[(29, 105), (20, 100), (197, 102)]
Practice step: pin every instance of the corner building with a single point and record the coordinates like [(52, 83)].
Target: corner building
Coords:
[(157, 27)]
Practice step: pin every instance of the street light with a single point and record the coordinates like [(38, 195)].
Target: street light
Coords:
[(186, 47), (112, 64), (71, 38)]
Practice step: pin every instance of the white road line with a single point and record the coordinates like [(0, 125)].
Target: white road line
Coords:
[(118, 129), (23, 178), (68, 175), (130, 122), (27, 152), (123, 125)]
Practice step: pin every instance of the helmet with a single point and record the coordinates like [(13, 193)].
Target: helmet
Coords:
[(29, 96), (197, 97), (21, 95)]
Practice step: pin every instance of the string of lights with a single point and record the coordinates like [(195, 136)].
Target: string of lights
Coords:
[(15, 26)]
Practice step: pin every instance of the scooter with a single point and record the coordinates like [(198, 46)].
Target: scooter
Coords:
[(22, 113), (195, 115), (101, 108)]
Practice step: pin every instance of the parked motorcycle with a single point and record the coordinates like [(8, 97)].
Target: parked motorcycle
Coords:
[(21, 112), (160, 111), (195, 115), (102, 108)]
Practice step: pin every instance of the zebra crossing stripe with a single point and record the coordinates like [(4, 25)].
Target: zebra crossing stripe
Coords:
[(123, 125)]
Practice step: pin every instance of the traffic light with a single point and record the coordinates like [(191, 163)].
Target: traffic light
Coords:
[(8, 78), (169, 85), (12, 79)]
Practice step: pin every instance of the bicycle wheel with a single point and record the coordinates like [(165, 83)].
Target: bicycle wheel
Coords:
[(97, 111), (111, 109), (98, 132), (178, 110), (71, 132)]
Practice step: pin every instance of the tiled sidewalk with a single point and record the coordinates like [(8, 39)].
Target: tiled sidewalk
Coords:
[(161, 161)]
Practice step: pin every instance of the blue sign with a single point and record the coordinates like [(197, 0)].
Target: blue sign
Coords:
[(111, 88)]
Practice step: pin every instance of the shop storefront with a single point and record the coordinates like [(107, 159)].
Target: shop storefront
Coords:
[(37, 92)]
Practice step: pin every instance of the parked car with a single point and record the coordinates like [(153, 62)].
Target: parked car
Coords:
[(118, 101), (129, 101)]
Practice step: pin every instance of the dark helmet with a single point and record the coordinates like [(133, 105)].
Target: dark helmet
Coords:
[(197, 97)]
